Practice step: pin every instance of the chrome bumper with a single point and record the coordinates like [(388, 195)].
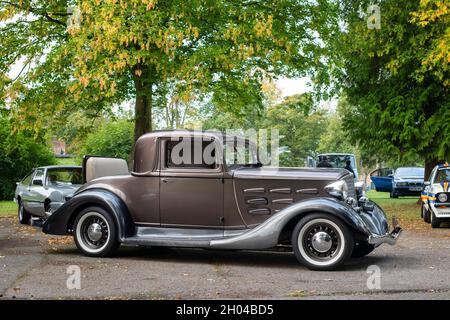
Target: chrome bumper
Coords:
[(390, 238)]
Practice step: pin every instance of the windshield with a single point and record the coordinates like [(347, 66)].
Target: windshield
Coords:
[(410, 172), (443, 175), (64, 176), (240, 153), (338, 161)]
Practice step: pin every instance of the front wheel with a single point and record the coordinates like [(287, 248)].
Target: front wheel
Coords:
[(426, 214), (322, 242), (435, 222), (95, 232), (23, 215)]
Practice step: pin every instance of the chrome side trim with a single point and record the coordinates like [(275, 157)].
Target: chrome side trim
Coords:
[(281, 190), (283, 201), (308, 191), (255, 190), (390, 238)]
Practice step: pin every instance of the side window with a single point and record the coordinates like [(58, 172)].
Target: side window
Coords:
[(38, 178), (27, 179), (190, 154)]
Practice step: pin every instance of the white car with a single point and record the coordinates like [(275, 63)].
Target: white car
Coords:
[(436, 196)]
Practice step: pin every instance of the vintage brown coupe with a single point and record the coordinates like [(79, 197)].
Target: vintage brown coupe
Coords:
[(225, 203)]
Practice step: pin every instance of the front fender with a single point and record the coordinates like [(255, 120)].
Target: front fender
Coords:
[(60, 221), (266, 235)]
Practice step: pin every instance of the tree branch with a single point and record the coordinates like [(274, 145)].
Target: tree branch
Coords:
[(39, 12)]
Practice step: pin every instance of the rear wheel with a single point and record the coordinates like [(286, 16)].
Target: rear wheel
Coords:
[(23, 215), (95, 232), (322, 242)]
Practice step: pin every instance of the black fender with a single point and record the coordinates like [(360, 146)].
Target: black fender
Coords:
[(60, 222), (266, 235)]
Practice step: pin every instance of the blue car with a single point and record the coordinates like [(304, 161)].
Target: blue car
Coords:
[(407, 181), (382, 179)]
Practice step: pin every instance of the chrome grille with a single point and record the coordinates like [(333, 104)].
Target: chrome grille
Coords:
[(351, 185)]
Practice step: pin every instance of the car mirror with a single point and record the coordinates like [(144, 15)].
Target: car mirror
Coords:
[(37, 182), (390, 175), (426, 183)]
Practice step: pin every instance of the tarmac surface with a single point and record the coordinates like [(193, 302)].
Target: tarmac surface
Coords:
[(37, 266)]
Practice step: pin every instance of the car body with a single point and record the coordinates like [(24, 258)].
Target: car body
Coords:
[(407, 181), (224, 204), (45, 189), (436, 196), (382, 179)]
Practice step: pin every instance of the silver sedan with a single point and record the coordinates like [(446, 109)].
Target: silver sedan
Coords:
[(44, 190)]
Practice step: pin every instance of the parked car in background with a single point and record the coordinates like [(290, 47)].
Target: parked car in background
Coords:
[(407, 181), (44, 190), (176, 197), (382, 179), (436, 196)]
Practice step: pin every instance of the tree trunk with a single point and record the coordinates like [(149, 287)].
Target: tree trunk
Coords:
[(429, 165), (143, 104)]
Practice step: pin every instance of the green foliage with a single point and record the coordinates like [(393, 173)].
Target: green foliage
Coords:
[(111, 139), (397, 109), (19, 153)]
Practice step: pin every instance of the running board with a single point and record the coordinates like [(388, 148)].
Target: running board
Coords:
[(166, 242)]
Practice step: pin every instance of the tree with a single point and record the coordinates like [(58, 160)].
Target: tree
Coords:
[(19, 153), (398, 108), (129, 48)]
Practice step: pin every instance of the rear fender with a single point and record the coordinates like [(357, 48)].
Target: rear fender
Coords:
[(61, 221)]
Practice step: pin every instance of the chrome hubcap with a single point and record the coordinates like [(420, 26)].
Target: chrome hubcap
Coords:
[(321, 241), (95, 232)]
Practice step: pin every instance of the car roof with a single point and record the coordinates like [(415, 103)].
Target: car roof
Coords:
[(336, 154), (58, 167)]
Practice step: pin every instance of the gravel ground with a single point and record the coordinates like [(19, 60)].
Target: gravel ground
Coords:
[(34, 265)]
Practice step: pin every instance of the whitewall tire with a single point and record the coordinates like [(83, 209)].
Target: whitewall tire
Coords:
[(322, 242), (95, 232)]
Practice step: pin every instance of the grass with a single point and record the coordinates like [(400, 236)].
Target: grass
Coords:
[(7, 208), (405, 209), (68, 161)]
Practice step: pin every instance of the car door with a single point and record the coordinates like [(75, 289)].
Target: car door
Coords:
[(382, 179), (36, 194), (191, 194), (23, 189)]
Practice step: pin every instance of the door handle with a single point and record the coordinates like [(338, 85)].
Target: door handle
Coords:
[(166, 180)]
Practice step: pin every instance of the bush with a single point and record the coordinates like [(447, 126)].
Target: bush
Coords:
[(112, 139), (19, 153)]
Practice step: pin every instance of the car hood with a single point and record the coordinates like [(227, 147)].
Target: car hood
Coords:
[(290, 173)]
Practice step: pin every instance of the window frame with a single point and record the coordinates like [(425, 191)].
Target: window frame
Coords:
[(162, 156)]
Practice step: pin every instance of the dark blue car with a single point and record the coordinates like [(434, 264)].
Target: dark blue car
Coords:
[(407, 181)]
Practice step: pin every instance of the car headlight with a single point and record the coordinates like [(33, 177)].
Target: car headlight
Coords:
[(338, 189), (442, 197)]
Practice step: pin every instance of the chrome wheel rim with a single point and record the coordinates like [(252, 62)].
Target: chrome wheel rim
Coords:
[(93, 232), (321, 242)]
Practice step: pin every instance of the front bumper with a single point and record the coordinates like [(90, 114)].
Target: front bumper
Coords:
[(390, 238)]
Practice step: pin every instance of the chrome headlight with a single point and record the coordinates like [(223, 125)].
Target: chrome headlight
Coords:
[(442, 197), (338, 189)]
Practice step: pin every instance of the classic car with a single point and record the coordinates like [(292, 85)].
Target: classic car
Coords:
[(382, 179), (221, 201), (407, 181), (44, 190), (436, 196)]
